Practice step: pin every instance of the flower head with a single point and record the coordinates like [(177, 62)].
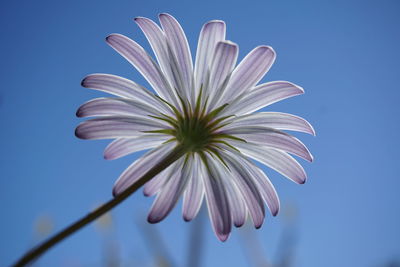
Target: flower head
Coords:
[(200, 120)]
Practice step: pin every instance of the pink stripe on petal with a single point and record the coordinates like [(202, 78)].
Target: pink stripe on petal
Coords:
[(125, 146), (158, 42), (170, 193), (194, 193), (180, 48), (271, 138), (264, 185), (211, 33), (122, 87), (223, 62), (156, 184), (261, 96), (217, 202), (248, 188), (115, 106), (116, 127), (249, 72), (141, 166), (275, 159), (139, 58), (276, 120)]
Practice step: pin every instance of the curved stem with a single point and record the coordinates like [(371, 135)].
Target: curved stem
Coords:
[(40, 249)]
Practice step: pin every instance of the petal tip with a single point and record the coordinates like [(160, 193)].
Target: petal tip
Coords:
[(223, 237), (84, 81), (213, 22), (275, 212), (240, 224), (114, 191), (266, 48), (78, 132), (186, 218), (164, 14), (107, 156), (151, 219), (258, 226)]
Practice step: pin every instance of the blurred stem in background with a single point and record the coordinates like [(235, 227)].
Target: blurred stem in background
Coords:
[(111, 253), (196, 239), (288, 240), (155, 243), (253, 249), (251, 246)]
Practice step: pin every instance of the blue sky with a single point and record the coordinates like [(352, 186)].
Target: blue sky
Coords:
[(344, 53)]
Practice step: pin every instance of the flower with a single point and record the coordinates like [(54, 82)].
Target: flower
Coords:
[(200, 125)]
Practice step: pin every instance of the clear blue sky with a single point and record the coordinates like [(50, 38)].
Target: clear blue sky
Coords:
[(344, 53)]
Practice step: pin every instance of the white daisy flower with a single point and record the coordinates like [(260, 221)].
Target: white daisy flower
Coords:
[(200, 125)]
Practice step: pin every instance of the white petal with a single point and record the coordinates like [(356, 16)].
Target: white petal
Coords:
[(180, 48), (158, 42), (141, 166), (275, 159), (262, 183), (237, 205), (125, 146), (217, 202), (276, 120), (266, 188), (249, 72), (194, 193), (248, 188), (155, 184), (271, 138), (138, 57), (262, 96), (170, 193), (223, 62), (116, 127), (106, 106), (211, 33), (122, 87)]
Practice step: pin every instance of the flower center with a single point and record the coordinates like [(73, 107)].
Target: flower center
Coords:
[(193, 133), (195, 130)]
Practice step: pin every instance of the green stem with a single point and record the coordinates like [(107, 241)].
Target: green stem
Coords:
[(40, 249)]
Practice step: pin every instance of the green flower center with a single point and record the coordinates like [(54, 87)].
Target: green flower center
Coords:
[(194, 129), (193, 133)]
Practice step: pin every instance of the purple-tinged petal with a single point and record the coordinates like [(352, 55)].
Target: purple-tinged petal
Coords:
[(271, 138), (259, 180), (141, 166), (170, 193), (261, 96), (217, 202), (138, 57), (247, 186), (237, 205), (194, 193), (115, 106), (156, 184), (116, 127), (266, 188), (180, 48), (158, 43), (276, 120), (223, 62), (249, 72), (275, 159), (211, 33), (124, 88), (125, 146)]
